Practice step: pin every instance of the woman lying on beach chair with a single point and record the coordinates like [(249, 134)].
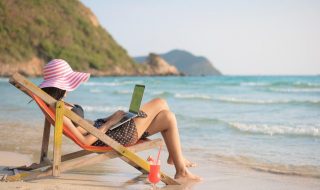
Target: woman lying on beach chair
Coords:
[(154, 116)]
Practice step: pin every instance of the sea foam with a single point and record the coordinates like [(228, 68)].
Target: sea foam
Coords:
[(122, 83), (253, 84), (4, 79), (294, 89), (122, 92), (103, 108), (192, 96), (96, 91), (245, 101), (269, 167), (254, 101), (313, 131)]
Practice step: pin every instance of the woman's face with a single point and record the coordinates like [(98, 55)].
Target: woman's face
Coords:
[(65, 95)]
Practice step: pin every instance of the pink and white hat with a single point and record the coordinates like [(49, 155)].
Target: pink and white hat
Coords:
[(58, 73)]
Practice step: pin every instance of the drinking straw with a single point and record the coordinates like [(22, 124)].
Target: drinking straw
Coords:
[(159, 154)]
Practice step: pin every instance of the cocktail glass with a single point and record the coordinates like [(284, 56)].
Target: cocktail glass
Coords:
[(154, 174)]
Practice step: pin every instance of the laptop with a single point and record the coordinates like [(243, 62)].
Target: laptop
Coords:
[(134, 106)]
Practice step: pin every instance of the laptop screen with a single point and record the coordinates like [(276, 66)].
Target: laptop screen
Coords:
[(136, 98)]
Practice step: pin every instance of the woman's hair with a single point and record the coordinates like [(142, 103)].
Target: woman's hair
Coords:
[(56, 93)]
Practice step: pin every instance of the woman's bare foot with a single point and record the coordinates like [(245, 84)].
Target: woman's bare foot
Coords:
[(186, 176), (187, 162)]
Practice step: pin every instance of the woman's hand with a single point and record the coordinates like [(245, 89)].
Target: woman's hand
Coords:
[(116, 117), (112, 120)]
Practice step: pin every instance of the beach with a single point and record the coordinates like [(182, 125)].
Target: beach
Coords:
[(116, 174), (244, 132)]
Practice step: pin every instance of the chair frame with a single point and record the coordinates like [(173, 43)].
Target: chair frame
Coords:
[(62, 163)]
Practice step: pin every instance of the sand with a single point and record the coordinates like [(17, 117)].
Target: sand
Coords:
[(116, 174)]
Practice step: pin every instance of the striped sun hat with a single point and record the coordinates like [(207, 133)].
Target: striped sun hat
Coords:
[(58, 73)]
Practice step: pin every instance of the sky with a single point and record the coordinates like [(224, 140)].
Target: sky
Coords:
[(240, 37)]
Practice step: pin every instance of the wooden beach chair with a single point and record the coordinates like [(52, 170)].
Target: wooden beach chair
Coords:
[(61, 163)]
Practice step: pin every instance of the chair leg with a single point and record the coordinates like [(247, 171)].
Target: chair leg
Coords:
[(76, 159), (45, 141), (44, 161), (57, 139)]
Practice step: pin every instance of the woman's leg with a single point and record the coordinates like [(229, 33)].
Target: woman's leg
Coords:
[(165, 122), (152, 109)]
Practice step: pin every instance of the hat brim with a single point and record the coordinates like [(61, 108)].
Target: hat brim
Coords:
[(69, 82)]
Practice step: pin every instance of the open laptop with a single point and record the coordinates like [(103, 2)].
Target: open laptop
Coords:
[(134, 105)]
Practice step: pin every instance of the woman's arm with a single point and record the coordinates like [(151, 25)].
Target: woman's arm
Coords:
[(89, 138), (82, 130), (85, 132)]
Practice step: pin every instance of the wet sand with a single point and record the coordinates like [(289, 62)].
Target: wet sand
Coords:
[(115, 174)]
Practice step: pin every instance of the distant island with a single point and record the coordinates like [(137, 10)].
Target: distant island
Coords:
[(34, 32), (186, 63)]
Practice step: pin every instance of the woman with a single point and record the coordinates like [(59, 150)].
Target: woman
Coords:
[(155, 116)]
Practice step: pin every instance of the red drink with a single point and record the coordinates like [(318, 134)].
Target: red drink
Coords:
[(154, 174)]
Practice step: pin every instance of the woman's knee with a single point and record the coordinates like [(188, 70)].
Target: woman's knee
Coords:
[(161, 103), (168, 116)]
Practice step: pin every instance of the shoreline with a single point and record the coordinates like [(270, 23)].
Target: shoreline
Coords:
[(115, 174)]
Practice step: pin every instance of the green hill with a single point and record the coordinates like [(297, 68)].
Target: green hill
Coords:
[(42, 30)]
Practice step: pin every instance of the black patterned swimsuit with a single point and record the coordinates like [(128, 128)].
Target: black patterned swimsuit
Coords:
[(125, 134)]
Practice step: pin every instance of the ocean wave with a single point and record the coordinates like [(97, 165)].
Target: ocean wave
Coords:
[(311, 131), (252, 101), (101, 84), (306, 84), (193, 96), (244, 101), (122, 83), (4, 79), (277, 168), (161, 93), (294, 89), (231, 84), (122, 92), (103, 108), (297, 84), (291, 86), (95, 91), (253, 84), (280, 84), (199, 120)]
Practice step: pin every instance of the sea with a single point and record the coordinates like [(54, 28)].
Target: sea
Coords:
[(266, 123)]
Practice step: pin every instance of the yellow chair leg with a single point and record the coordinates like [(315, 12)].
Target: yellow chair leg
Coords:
[(57, 138)]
